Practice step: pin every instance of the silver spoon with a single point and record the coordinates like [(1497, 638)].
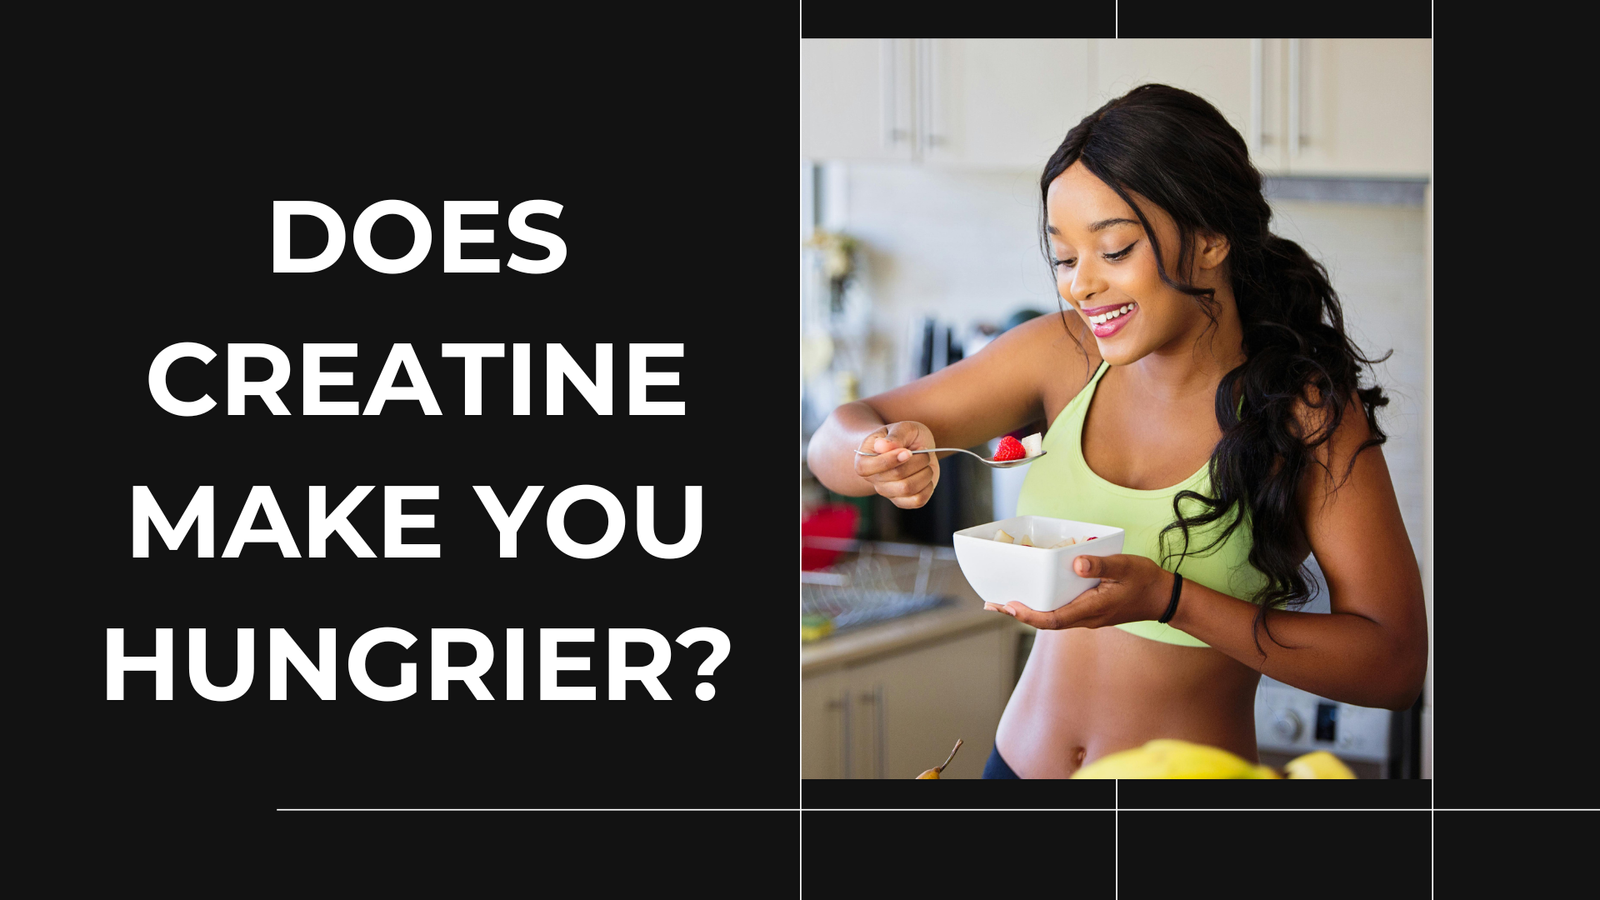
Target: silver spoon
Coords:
[(997, 464)]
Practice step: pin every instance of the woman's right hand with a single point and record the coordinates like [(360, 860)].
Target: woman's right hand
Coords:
[(906, 478)]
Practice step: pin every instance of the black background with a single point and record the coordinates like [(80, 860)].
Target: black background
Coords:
[(151, 160)]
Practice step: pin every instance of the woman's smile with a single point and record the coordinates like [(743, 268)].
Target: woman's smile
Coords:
[(1108, 320)]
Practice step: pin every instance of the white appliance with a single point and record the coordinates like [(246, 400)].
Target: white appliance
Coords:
[(1291, 722)]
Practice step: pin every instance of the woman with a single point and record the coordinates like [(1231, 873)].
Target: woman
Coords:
[(1202, 395)]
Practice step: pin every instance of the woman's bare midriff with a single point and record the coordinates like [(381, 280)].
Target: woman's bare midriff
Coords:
[(1086, 693)]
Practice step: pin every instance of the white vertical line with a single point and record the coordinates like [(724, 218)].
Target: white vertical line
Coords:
[(1427, 707)]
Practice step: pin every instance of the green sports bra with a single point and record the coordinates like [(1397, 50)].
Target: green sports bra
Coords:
[(1062, 486)]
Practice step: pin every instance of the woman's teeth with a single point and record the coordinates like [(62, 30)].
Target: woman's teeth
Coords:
[(1108, 316)]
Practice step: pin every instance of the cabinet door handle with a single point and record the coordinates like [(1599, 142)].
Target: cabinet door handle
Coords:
[(1257, 115), (1294, 97), (844, 705), (925, 76), (890, 55), (878, 708), (886, 54), (876, 699)]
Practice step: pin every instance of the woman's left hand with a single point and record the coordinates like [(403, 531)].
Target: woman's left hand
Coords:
[(1131, 589)]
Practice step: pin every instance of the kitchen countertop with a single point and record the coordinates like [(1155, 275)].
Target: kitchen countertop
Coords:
[(963, 613)]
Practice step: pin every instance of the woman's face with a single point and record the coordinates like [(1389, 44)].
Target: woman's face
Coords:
[(1106, 268)]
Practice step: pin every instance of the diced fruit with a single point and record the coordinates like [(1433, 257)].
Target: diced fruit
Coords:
[(1032, 444), (1010, 448), (1026, 541)]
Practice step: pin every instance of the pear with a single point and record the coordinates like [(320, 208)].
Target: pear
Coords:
[(1318, 764), (934, 772)]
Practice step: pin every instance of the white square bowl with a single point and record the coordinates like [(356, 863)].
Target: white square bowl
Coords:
[(1040, 578)]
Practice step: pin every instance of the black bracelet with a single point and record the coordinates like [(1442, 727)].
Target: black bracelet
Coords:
[(1177, 586)]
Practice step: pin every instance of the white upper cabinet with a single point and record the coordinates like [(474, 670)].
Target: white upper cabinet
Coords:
[(1354, 107), (1001, 103), (975, 103), (1227, 72), (856, 99), (1359, 107)]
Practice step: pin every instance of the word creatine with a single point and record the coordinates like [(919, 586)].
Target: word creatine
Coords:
[(322, 675), (200, 516), (559, 368)]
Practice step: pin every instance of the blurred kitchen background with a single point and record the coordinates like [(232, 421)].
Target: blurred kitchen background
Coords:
[(919, 218)]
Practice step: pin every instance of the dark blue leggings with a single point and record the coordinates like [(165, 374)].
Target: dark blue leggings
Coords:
[(996, 767)]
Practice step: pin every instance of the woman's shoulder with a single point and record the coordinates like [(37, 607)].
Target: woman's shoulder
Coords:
[(1065, 354), (1058, 355), (1334, 433)]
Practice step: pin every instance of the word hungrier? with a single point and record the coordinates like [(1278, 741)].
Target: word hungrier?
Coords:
[(323, 677)]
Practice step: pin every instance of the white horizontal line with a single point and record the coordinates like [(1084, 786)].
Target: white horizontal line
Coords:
[(1134, 809)]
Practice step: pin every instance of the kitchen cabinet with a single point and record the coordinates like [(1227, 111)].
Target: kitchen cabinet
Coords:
[(961, 103), (1313, 107), (856, 99), (1227, 72), (897, 713), (826, 733), (1001, 103), (1358, 107)]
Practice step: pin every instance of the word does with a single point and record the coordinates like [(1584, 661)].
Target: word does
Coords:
[(422, 236)]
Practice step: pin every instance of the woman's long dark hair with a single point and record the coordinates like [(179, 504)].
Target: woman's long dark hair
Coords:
[(1175, 150)]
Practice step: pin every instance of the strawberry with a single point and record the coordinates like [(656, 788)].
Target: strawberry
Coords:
[(1010, 448)]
